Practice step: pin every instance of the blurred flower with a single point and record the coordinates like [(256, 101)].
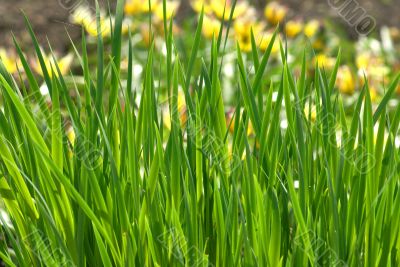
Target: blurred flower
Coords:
[(171, 8), (378, 71), (82, 15), (312, 114), (362, 60), (9, 61), (311, 28), (264, 39), (324, 61), (345, 80), (105, 27), (197, 5), (134, 7), (218, 7), (275, 12), (71, 135), (373, 93), (230, 122), (145, 33), (167, 116), (293, 28), (63, 64), (211, 26), (243, 29), (371, 66)]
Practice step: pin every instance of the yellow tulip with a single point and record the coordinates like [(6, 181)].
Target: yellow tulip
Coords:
[(264, 40), (134, 7), (105, 28), (10, 63), (218, 7), (197, 5), (311, 28), (275, 12), (310, 113), (363, 60), (243, 28), (230, 122), (345, 80), (293, 28), (211, 26), (63, 64), (324, 61), (373, 93), (71, 135), (378, 71), (82, 15), (171, 8), (181, 111)]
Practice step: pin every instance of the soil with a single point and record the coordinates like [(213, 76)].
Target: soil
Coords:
[(50, 17), (384, 12)]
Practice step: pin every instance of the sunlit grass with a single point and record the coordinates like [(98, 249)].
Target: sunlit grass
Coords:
[(306, 186)]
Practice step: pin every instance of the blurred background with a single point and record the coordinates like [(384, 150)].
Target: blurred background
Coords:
[(50, 18)]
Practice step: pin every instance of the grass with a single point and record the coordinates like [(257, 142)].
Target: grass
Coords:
[(128, 191)]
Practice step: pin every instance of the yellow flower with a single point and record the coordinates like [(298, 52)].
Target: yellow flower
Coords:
[(171, 8), (63, 64), (181, 111), (134, 7), (197, 5), (324, 61), (10, 63), (373, 93), (264, 40), (211, 26), (242, 29), (372, 66), (378, 71), (311, 28), (230, 122), (218, 6), (105, 28), (275, 12), (71, 135), (345, 80), (310, 114), (82, 15), (363, 60), (293, 28)]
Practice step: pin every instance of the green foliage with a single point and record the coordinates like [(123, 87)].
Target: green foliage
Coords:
[(128, 191)]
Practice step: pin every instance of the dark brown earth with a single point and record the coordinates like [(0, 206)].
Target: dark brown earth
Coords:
[(384, 12), (50, 17)]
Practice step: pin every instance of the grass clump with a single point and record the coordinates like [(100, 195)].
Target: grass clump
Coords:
[(308, 187)]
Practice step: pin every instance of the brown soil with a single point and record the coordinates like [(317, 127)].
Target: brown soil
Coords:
[(49, 18)]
